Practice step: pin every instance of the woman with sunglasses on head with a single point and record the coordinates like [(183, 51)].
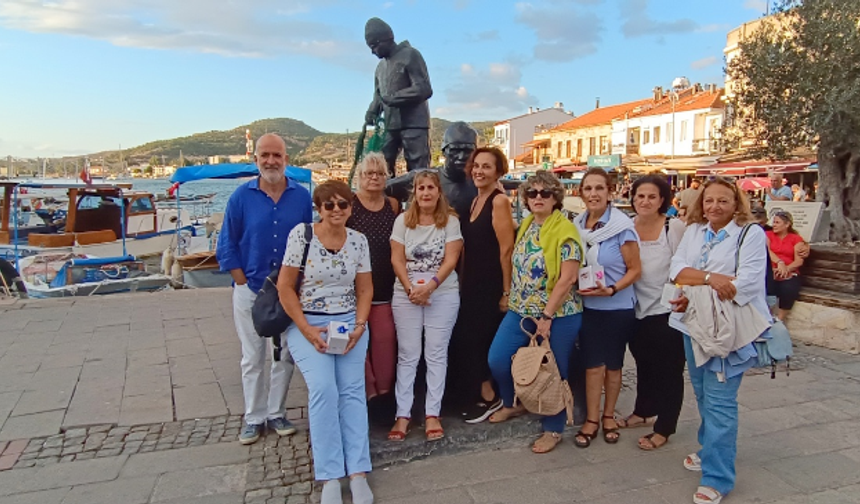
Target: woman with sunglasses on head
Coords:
[(609, 316), (425, 248), (485, 280), (373, 215), (657, 348), (712, 254), (784, 248), (336, 287), (546, 259)]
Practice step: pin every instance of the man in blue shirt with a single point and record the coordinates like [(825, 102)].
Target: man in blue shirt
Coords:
[(777, 191), (260, 215)]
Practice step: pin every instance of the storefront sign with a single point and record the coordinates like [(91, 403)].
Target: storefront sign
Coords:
[(610, 161), (810, 220)]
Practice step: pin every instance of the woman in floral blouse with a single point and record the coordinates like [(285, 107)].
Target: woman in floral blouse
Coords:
[(546, 260)]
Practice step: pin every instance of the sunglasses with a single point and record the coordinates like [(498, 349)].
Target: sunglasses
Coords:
[(533, 193), (342, 204)]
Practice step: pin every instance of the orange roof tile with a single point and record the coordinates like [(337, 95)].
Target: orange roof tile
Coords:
[(688, 100), (602, 115), (525, 156)]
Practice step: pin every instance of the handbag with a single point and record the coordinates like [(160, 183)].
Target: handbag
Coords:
[(270, 319), (537, 382)]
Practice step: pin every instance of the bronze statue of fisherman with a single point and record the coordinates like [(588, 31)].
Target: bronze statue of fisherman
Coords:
[(400, 93)]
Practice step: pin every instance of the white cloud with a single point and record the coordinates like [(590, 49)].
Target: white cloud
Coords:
[(637, 22), (252, 28), (564, 32), (756, 5), (704, 63), (490, 92)]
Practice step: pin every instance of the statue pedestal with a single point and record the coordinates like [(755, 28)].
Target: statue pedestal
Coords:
[(828, 312)]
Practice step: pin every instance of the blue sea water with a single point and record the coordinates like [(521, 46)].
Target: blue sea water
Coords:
[(221, 188)]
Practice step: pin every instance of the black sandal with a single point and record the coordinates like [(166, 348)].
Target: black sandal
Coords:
[(588, 437), (611, 436)]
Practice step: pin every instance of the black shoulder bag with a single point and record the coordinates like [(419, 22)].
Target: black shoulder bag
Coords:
[(270, 319)]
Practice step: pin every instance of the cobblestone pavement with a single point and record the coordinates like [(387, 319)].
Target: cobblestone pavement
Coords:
[(102, 403)]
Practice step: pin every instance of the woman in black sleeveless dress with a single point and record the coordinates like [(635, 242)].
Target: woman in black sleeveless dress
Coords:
[(488, 241), (373, 215)]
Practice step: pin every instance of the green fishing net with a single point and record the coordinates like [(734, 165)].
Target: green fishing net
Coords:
[(362, 147)]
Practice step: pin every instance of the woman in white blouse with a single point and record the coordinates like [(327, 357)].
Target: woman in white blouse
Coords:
[(336, 287), (657, 348), (711, 253), (425, 247)]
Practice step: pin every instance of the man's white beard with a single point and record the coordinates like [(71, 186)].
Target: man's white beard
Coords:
[(271, 177)]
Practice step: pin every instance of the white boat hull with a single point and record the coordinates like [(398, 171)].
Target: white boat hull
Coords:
[(139, 284)]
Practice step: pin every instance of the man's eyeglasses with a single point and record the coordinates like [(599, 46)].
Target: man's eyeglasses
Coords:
[(342, 204), (533, 193)]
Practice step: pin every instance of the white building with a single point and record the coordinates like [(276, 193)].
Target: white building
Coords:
[(511, 134), (681, 123)]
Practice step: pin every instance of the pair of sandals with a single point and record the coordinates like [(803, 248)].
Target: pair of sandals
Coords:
[(646, 442), (704, 494), (610, 435), (433, 434)]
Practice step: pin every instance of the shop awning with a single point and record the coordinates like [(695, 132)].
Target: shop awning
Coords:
[(569, 169), (539, 142), (742, 169)]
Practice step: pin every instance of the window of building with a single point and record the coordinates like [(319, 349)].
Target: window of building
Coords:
[(604, 145), (669, 132), (578, 148), (656, 134), (683, 134), (568, 149), (646, 137), (592, 144)]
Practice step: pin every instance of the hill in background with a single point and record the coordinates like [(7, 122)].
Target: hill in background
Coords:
[(305, 144)]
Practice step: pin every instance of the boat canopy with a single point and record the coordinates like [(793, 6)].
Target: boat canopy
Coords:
[(232, 171)]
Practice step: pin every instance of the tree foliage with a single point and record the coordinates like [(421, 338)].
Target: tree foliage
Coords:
[(796, 84)]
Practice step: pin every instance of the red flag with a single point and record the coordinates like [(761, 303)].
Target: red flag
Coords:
[(85, 176)]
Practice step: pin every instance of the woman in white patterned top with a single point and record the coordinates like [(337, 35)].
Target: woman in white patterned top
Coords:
[(336, 287), (425, 247)]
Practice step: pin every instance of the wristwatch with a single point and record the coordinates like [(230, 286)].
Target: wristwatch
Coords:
[(614, 289), (708, 278), (544, 316)]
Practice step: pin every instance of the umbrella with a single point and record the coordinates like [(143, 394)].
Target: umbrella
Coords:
[(753, 184)]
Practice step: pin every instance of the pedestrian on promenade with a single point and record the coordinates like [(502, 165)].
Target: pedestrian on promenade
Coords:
[(425, 247), (337, 286), (546, 260), (785, 249), (485, 282), (373, 215), (709, 254), (657, 348), (609, 317), (259, 215)]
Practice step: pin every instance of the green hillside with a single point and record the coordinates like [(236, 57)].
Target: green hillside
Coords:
[(297, 134)]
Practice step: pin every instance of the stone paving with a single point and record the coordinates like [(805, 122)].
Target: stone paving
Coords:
[(137, 399)]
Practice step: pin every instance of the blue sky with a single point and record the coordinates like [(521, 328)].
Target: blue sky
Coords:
[(78, 76)]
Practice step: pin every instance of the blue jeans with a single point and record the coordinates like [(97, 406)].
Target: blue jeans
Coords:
[(510, 338), (337, 405), (718, 432)]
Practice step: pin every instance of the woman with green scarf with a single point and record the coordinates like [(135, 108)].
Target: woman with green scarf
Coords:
[(546, 259)]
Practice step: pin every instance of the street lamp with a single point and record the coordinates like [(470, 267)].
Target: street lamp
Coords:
[(673, 97)]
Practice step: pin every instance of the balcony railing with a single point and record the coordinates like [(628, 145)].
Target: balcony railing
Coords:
[(707, 145)]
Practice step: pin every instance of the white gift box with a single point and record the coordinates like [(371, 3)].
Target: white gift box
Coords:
[(337, 337), (670, 292), (589, 276)]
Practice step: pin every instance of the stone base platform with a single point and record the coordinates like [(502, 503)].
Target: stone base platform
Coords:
[(827, 319)]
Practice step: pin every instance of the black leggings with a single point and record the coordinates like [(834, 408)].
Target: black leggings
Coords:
[(659, 353), (788, 291)]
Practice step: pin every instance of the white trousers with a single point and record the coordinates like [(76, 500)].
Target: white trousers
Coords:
[(436, 321), (260, 404)]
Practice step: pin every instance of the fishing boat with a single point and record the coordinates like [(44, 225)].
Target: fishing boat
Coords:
[(196, 258), (102, 220)]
